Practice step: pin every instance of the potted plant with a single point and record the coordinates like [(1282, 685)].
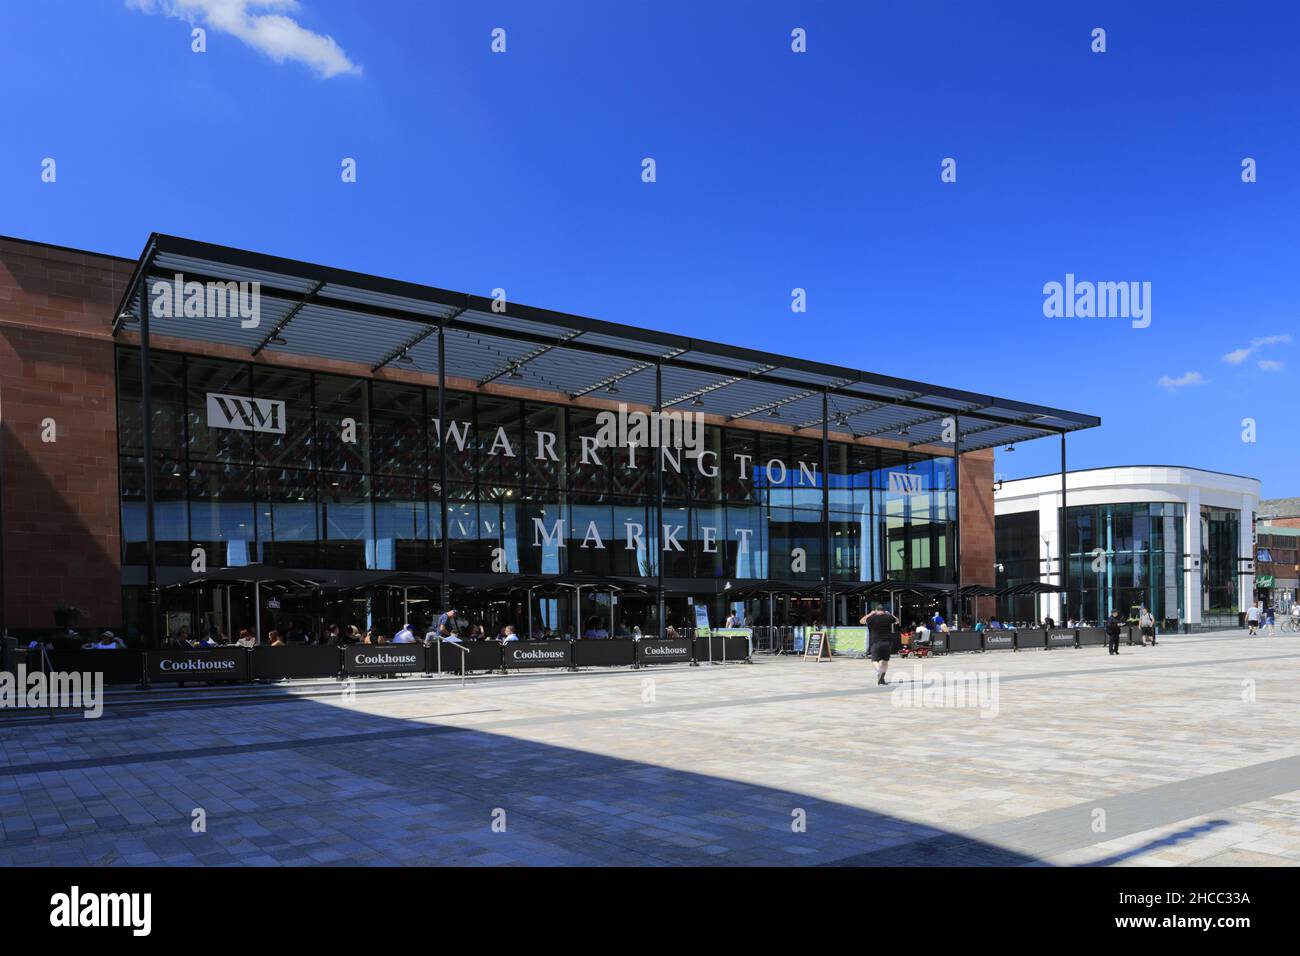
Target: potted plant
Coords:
[(66, 616)]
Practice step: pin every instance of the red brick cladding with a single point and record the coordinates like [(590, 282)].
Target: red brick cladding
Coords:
[(60, 499), (978, 544)]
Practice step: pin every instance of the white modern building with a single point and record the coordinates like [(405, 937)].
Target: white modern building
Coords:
[(1176, 539)]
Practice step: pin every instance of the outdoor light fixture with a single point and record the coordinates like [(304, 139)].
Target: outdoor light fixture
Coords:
[(277, 340), (405, 359), (902, 431), (515, 373), (1010, 448), (698, 401), (128, 317), (774, 413), (613, 389)]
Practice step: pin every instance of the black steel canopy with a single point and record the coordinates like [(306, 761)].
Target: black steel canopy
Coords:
[(313, 311)]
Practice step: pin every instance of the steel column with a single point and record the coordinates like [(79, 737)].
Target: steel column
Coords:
[(956, 525), (444, 589), (1063, 573), (151, 540), (827, 598), (659, 495)]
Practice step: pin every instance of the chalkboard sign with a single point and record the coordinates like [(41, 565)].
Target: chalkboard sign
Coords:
[(816, 647)]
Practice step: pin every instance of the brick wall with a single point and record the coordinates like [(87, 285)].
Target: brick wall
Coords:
[(60, 499), (978, 544)]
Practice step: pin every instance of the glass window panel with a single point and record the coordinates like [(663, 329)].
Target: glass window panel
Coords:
[(401, 524), (397, 432), (343, 423), (287, 517), (223, 502), (500, 440), (210, 441), (296, 448), (545, 440), (346, 521), (461, 438)]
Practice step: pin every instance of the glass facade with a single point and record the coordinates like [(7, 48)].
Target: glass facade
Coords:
[(1125, 555), (1018, 563), (345, 475), (1121, 556), (1220, 534)]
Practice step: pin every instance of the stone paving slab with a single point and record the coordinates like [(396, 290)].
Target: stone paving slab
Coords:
[(1183, 754)]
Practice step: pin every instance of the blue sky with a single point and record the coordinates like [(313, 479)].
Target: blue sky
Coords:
[(775, 170)]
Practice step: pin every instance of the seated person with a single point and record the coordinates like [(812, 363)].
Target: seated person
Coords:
[(108, 641), (508, 634), (246, 638), (404, 636), (275, 639)]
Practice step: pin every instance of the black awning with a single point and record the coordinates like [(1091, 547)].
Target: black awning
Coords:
[(310, 311), (251, 574)]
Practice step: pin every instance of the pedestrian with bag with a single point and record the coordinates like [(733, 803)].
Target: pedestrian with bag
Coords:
[(1147, 626), (1112, 632)]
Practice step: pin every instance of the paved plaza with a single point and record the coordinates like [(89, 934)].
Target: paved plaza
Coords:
[(1183, 754)]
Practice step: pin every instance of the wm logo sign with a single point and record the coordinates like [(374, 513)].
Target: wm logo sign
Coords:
[(245, 414), (901, 483)]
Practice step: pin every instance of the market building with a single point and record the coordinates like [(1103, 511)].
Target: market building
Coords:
[(1175, 539), (202, 408)]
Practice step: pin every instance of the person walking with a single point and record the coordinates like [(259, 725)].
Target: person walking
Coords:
[(1253, 615), (1112, 632), (1147, 625), (879, 623)]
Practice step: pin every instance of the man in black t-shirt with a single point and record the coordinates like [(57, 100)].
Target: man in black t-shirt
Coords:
[(880, 643)]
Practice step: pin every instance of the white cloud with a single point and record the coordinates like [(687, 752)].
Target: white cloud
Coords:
[(1268, 365), (262, 25), (1187, 378), (1237, 356)]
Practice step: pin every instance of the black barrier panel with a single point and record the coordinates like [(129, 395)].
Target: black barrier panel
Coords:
[(1031, 640), (362, 659), (965, 641), (721, 648), (1091, 636), (999, 640), (276, 663), (118, 667), (220, 663), (484, 655), (536, 654), (657, 651), (939, 642), (445, 658), (1060, 639), (609, 653)]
